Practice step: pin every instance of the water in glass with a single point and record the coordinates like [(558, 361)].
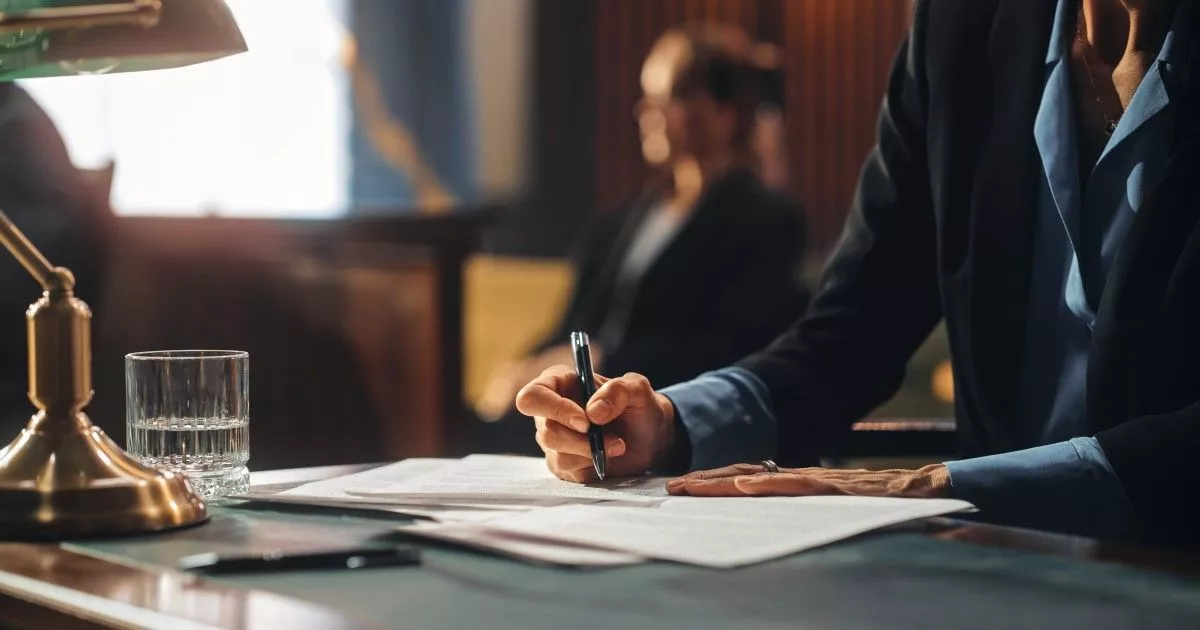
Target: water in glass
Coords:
[(188, 412)]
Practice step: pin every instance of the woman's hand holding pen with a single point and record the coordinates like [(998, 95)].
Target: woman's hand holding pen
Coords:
[(639, 423)]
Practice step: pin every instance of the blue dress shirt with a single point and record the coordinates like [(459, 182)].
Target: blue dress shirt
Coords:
[(1063, 481)]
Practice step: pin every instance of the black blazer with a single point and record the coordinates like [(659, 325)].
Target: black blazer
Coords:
[(942, 226), (726, 285)]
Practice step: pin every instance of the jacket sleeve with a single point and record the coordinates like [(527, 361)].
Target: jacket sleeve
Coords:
[(878, 299), (759, 297)]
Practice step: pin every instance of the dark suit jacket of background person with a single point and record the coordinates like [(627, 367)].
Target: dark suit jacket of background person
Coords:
[(728, 283), (48, 198), (942, 226)]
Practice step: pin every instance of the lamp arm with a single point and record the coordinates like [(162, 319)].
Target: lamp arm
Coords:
[(14, 240), (137, 12)]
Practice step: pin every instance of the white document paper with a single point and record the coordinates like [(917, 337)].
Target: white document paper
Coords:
[(337, 488), (523, 548), (505, 478), (722, 532), (336, 493), (440, 513)]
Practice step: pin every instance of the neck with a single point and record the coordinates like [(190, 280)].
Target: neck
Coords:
[(691, 175), (1116, 29)]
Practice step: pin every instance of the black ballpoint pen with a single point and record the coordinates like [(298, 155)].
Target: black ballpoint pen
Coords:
[(317, 560), (581, 350)]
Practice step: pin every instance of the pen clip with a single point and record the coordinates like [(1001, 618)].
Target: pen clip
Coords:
[(582, 353)]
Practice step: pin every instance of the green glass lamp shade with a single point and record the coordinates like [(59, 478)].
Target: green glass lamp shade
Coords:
[(52, 38)]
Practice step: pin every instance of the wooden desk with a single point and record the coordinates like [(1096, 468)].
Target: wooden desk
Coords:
[(124, 583)]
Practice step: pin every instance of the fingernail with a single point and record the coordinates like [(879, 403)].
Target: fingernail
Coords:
[(618, 448), (580, 424), (600, 410)]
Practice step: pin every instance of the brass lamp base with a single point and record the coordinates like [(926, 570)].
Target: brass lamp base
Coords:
[(62, 477), (79, 483)]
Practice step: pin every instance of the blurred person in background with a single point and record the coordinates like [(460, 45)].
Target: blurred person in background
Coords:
[(705, 266), (58, 208)]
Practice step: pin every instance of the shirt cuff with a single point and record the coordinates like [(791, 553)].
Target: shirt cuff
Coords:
[(727, 417), (1067, 487)]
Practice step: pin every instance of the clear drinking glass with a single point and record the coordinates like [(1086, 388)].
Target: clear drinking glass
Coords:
[(188, 411)]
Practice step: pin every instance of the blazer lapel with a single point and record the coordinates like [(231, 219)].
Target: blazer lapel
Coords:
[(1141, 271), (1144, 274), (1003, 211)]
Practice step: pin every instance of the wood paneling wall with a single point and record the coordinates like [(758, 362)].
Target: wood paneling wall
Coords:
[(841, 52), (838, 54)]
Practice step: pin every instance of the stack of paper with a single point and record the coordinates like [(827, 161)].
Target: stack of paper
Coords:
[(454, 508), (514, 506), (520, 547), (337, 493), (505, 478), (720, 532)]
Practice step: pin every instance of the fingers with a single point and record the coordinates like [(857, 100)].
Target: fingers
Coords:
[(571, 468), (749, 480), (549, 396), (783, 485), (554, 437), (728, 471), (631, 391), (721, 487), (714, 473), (568, 454), (729, 482), (574, 468)]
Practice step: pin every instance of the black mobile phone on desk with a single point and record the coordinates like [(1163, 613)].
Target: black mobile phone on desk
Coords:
[(312, 560)]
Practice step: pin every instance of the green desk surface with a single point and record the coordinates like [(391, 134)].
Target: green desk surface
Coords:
[(896, 580)]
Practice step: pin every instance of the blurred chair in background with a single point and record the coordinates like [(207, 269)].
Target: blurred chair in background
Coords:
[(704, 267)]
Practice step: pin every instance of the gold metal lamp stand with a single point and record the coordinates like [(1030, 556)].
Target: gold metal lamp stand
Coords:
[(63, 477)]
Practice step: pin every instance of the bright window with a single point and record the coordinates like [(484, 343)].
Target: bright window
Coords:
[(265, 133)]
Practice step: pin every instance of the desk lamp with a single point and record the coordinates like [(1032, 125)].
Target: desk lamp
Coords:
[(62, 477)]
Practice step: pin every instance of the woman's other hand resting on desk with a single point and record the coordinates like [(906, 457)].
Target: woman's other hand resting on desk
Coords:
[(639, 423), (930, 482), (640, 435)]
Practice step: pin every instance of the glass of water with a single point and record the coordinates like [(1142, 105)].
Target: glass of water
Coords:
[(188, 411)]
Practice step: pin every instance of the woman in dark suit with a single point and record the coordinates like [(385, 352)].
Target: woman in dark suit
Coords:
[(704, 267)]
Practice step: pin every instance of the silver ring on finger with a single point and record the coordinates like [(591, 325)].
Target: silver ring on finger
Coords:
[(770, 466)]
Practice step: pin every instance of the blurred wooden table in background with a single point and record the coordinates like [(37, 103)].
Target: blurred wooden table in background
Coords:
[(354, 326)]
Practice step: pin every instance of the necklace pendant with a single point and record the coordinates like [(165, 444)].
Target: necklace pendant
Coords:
[(1110, 127)]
